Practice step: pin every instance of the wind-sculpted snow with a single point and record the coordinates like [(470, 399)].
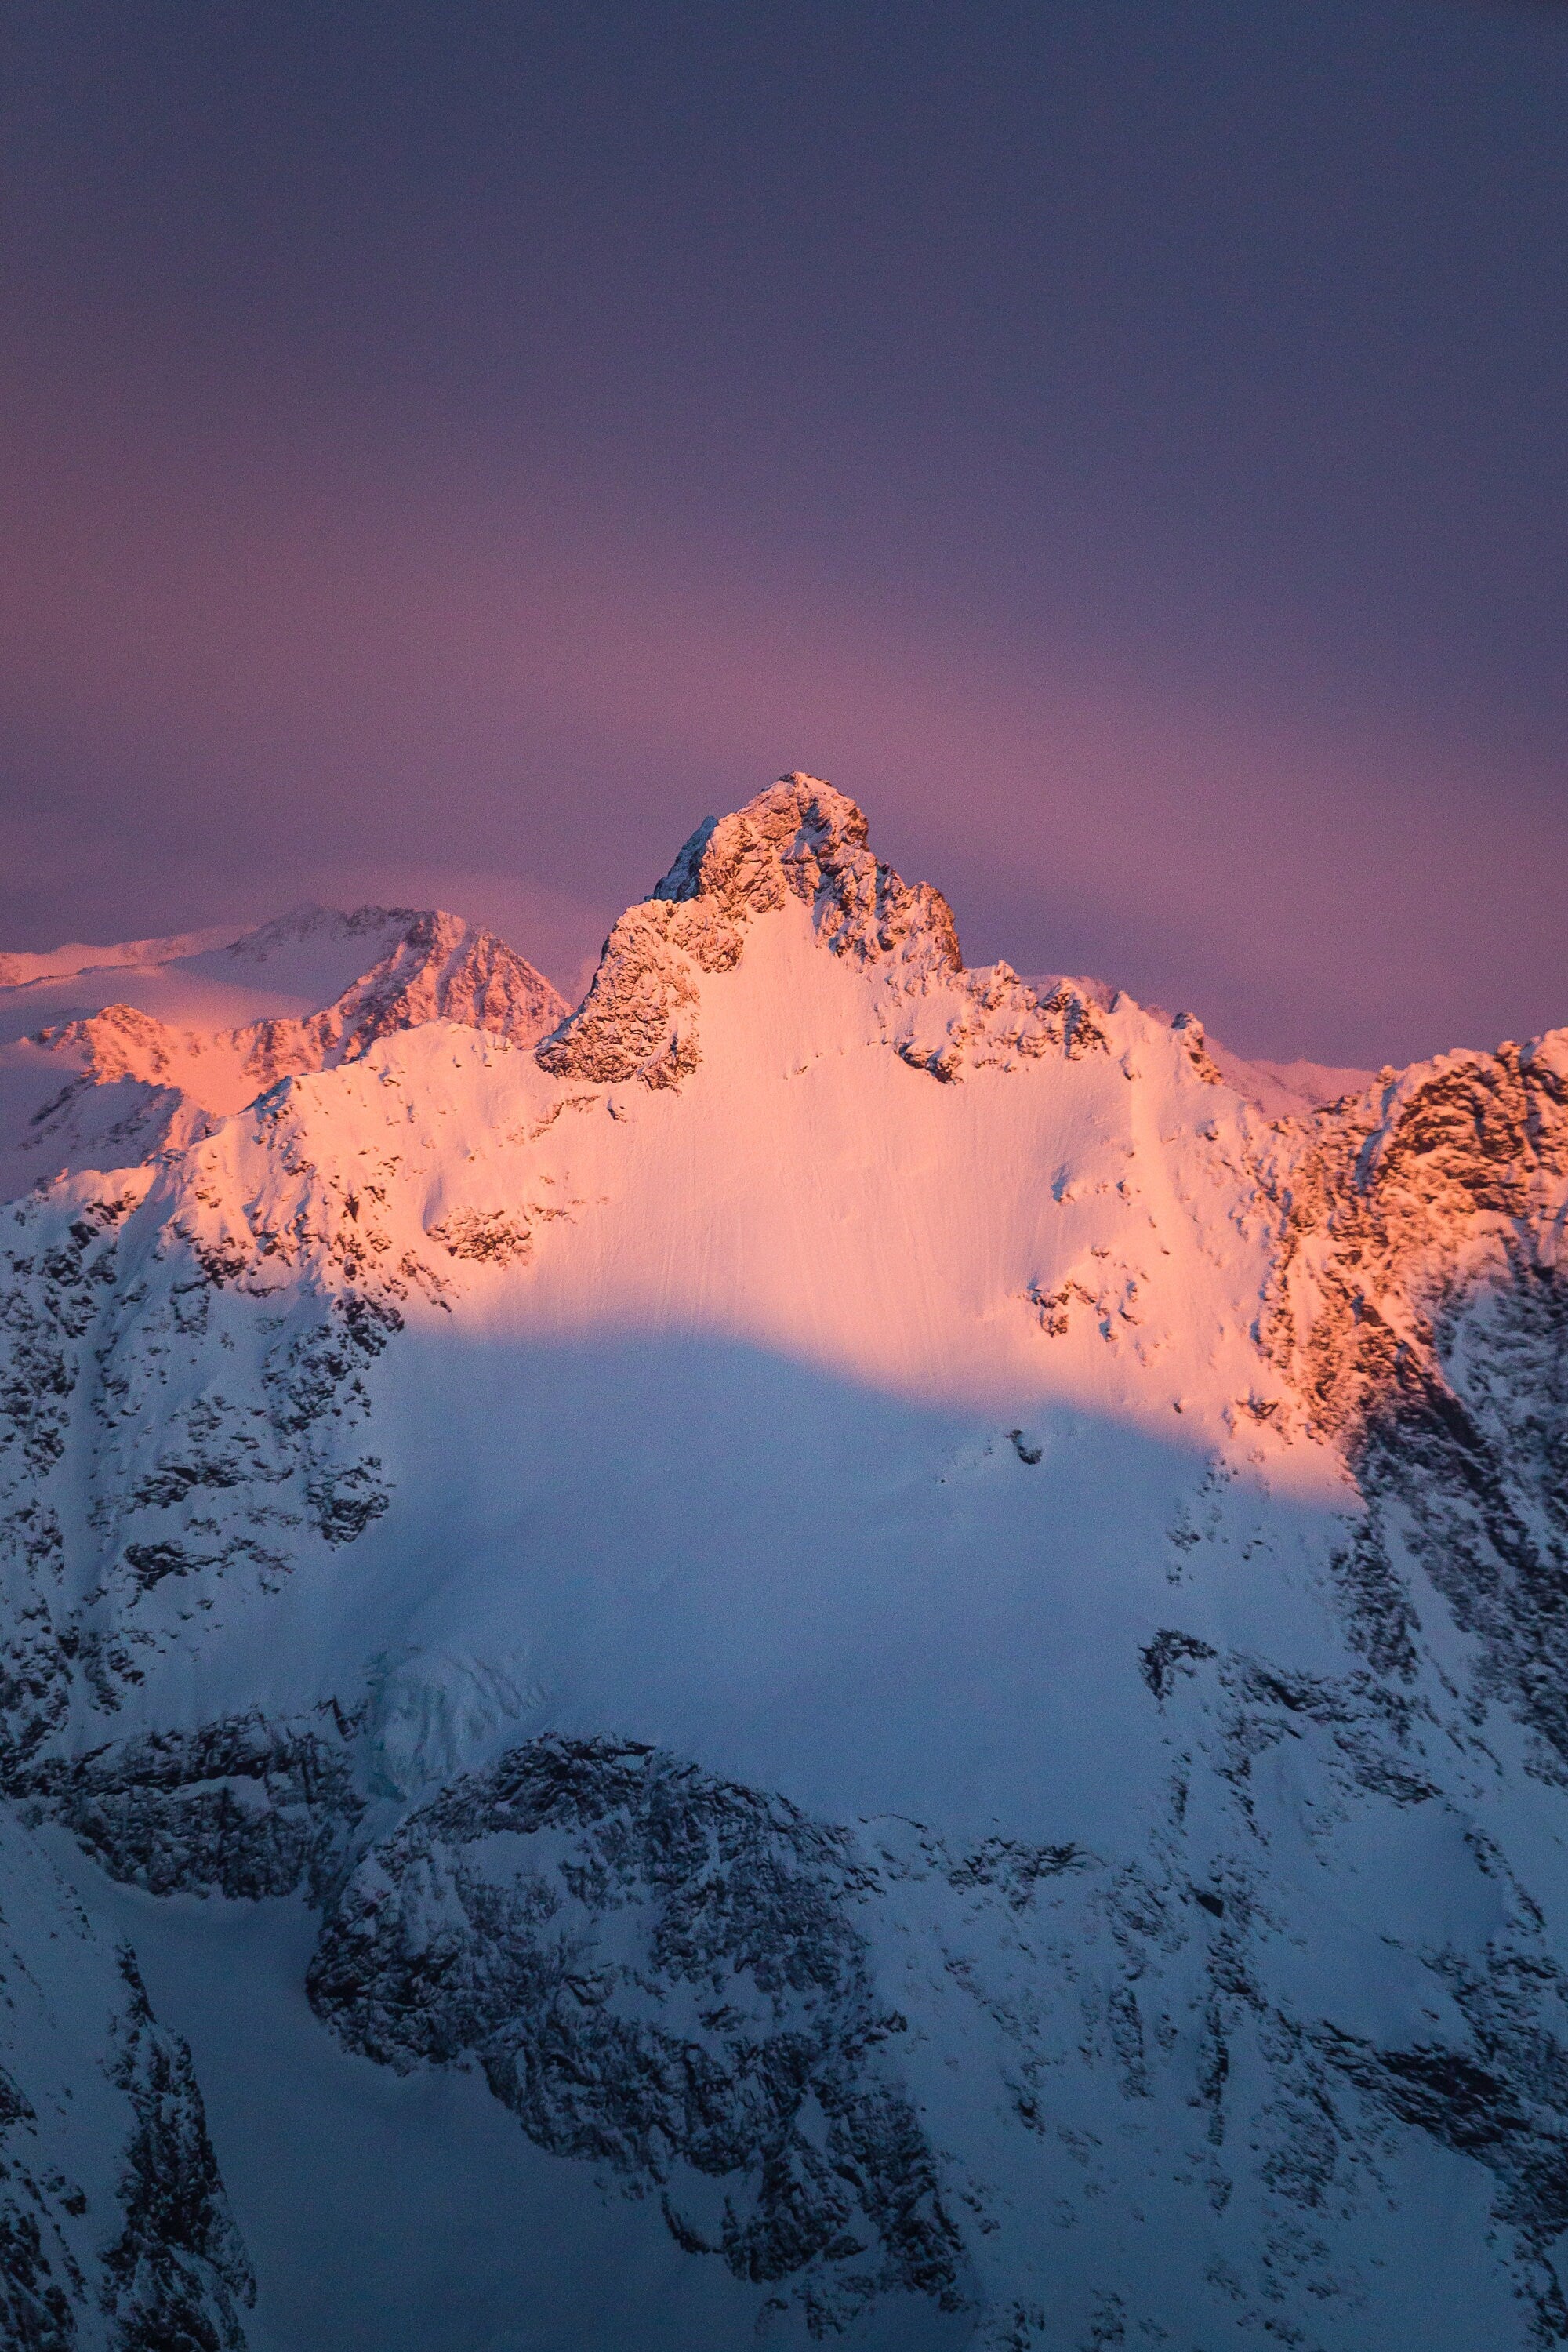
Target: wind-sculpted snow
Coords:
[(931, 1642)]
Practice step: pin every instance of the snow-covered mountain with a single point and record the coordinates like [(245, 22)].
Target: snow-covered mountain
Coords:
[(153, 1047), (840, 1645)]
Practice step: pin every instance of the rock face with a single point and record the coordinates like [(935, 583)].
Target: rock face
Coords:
[(115, 2232), (243, 1808), (1422, 1314), (192, 1487), (661, 1974), (927, 1645), (803, 841)]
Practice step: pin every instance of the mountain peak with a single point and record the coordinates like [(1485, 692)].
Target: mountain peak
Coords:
[(801, 836), (445, 967), (799, 842), (1001, 1609), (311, 922), (169, 1078)]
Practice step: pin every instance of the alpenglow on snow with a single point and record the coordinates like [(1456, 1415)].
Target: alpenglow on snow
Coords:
[(840, 1649)]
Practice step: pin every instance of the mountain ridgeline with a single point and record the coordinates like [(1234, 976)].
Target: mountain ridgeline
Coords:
[(837, 1648)]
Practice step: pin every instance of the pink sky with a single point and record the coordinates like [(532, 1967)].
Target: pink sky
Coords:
[(269, 680), (1121, 449)]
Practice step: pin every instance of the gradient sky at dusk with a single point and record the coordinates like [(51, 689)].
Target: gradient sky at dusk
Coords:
[(447, 450)]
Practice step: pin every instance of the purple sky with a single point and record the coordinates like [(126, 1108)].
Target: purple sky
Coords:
[(448, 451)]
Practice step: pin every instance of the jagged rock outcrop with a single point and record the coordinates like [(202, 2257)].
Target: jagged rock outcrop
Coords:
[(1421, 1305), (115, 2230), (661, 1973), (191, 1488), (177, 2272), (800, 842), (441, 969), (1186, 2016), (244, 1807)]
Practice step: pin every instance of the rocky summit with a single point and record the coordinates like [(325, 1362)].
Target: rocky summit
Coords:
[(839, 1648)]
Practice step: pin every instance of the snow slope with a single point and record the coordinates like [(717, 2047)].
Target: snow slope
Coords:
[(26, 969), (1279, 1089), (844, 1643), (1286, 1089)]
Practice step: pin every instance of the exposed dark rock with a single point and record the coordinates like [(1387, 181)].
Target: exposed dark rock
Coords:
[(151, 2262), (177, 2274), (243, 1807), (1167, 1653), (662, 1973)]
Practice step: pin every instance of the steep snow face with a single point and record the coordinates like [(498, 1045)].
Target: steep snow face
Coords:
[(888, 1619), (134, 1083)]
